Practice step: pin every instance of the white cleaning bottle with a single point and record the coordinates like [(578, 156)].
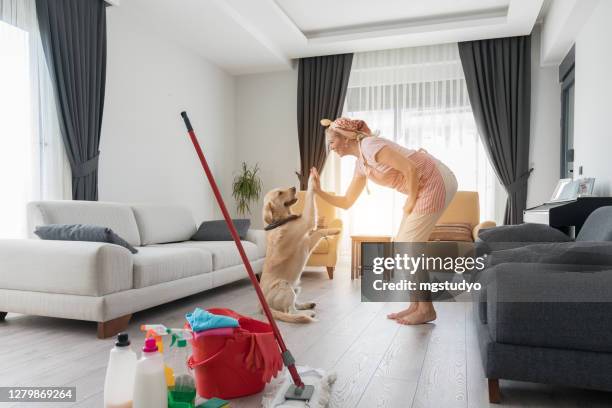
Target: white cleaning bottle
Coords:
[(119, 381), (150, 389)]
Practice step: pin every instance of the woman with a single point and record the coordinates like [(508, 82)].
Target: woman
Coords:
[(428, 184)]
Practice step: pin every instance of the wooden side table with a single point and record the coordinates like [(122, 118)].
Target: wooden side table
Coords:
[(356, 241)]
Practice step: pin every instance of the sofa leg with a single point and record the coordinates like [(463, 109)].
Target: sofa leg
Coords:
[(2, 315), (112, 327), (494, 391), (330, 272)]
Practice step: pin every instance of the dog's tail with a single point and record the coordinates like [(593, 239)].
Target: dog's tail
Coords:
[(292, 318)]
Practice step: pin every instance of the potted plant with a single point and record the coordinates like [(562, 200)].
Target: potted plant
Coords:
[(246, 188)]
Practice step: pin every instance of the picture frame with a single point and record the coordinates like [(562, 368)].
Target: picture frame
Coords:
[(568, 189)]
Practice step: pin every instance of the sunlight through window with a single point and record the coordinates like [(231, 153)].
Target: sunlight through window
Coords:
[(16, 141)]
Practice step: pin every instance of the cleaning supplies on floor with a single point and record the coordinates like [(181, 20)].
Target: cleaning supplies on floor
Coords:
[(235, 364), (119, 381), (183, 385), (150, 390), (201, 320), (214, 403)]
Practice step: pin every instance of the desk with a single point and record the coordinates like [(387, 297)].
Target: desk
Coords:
[(356, 241)]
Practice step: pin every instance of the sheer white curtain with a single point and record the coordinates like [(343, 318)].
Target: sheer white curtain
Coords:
[(33, 163), (416, 97)]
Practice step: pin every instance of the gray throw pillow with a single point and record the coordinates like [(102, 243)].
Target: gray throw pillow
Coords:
[(81, 232), (527, 232), (218, 231)]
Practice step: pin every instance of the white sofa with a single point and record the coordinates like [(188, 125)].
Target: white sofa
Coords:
[(104, 282)]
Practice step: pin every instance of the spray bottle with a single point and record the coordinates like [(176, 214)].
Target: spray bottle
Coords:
[(156, 332), (150, 390), (183, 388)]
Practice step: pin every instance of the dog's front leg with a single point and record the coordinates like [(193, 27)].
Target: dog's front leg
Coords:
[(309, 215), (315, 236)]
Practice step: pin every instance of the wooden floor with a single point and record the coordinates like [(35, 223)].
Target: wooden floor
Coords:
[(379, 363)]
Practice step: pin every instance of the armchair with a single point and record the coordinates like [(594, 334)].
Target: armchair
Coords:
[(326, 252), (464, 209), (546, 305)]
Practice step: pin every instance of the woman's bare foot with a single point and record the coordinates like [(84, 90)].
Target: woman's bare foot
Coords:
[(418, 317), (403, 313)]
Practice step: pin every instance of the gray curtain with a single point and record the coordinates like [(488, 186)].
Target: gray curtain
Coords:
[(73, 34), (322, 84), (498, 79)]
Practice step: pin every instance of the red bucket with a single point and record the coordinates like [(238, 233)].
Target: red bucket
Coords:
[(237, 363)]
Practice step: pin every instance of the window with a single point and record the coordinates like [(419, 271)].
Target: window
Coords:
[(416, 97), (16, 154), (33, 164), (566, 77)]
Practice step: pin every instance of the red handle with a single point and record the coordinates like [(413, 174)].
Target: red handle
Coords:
[(245, 260), (193, 364)]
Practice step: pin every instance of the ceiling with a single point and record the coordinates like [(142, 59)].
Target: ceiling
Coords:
[(249, 36)]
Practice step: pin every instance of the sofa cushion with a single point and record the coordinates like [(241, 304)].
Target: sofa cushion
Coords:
[(118, 217), (224, 253), (160, 224), (81, 232), (527, 232), (547, 305), (452, 232), (570, 253), (158, 264), (66, 267)]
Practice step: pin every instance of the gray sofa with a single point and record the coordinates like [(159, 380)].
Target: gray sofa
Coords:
[(545, 311), (104, 282)]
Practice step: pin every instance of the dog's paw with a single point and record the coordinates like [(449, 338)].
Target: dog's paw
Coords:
[(310, 305), (333, 231), (310, 182)]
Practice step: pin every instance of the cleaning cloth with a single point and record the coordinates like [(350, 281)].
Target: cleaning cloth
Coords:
[(201, 320), (274, 393)]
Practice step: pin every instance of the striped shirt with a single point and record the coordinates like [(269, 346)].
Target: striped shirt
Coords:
[(431, 194)]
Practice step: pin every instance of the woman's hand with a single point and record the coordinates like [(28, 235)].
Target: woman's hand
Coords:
[(316, 182), (409, 205)]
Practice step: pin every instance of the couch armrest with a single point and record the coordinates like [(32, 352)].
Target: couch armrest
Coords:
[(560, 306), (527, 232), (66, 267), (482, 225), (258, 237)]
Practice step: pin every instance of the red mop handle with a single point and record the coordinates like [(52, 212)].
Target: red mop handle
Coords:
[(245, 260)]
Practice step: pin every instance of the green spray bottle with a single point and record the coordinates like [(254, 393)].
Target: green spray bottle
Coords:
[(182, 388)]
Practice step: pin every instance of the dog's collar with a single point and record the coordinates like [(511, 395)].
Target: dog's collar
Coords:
[(278, 223)]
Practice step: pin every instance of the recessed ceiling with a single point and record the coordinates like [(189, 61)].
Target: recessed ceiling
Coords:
[(248, 36), (318, 16)]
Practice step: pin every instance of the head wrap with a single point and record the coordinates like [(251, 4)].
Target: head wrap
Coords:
[(352, 128)]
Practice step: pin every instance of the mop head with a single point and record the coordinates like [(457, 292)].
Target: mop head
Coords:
[(274, 394)]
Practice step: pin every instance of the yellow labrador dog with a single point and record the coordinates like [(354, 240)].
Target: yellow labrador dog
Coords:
[(290, 239)]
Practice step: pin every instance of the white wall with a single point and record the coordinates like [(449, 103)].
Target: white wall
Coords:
[(266, 129), (545, 132), (593, 99), (146, 155), (562, 24)]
